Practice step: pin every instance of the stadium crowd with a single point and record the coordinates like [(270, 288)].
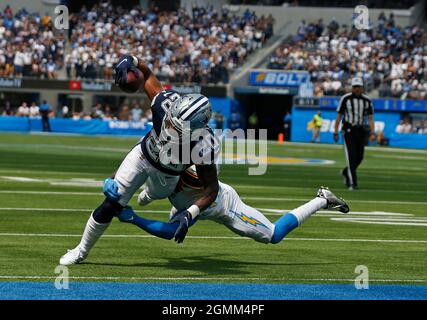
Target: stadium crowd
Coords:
[(127, 112), (199, 48), (402, 4), (408, 126), (388, 57), (28, 46)]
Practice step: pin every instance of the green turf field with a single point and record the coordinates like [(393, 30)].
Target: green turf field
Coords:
[(50, 184)]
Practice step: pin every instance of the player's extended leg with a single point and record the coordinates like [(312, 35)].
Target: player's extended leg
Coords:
[(249, 222), (325, 200), (129, 177), (157, 228)]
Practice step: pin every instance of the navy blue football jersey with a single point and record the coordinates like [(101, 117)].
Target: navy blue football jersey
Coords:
[(203, 150)]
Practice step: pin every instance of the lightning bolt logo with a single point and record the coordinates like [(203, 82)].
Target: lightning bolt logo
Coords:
[(249, 220), (261, 76)]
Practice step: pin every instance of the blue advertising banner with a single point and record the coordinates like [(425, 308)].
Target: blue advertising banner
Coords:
[(76, 126), (380, 104), (300, 131), (408, 140), (269, 78)]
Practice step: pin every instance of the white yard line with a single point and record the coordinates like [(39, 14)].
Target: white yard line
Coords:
[(66, 147), (208, 237), (39, 277), (73, 210), (242, 186), (65, 193), (93, 183)]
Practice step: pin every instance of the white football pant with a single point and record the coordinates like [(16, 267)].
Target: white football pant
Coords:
[(135, 170)]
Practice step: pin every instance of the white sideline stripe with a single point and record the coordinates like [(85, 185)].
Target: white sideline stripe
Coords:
[(348, 200), (53, 193), (74, 210), (347, 158), (266, 211), (395, 223), (211, 279), (206, 237), (131, 138), (243, 198), (243, 186), (93, 183), (410, 219), (58, 146)]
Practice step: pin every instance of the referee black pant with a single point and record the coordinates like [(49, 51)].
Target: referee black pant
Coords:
[(354, 147)]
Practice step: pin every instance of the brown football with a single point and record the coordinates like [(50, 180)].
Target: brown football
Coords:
[(134, 82)]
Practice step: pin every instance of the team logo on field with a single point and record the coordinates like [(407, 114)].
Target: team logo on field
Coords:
[(248, 220)]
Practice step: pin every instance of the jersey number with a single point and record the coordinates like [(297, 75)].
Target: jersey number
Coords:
[(170, 98)]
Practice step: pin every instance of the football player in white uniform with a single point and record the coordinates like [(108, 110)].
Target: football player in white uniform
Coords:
[(228, 209), (154, 162)]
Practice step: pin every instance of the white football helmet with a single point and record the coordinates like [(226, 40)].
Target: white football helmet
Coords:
[(189, 113)]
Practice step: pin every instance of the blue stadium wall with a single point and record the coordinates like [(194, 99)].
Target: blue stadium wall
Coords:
[(387, 115), (95, 126)]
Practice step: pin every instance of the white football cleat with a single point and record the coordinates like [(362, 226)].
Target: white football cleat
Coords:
[(73, 256), (333, 202)]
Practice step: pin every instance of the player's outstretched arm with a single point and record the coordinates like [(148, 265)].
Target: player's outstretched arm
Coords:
[(209, 178), (184, 218), (152, 85)]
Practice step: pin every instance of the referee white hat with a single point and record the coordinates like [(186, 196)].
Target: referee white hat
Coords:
[(357, 81)]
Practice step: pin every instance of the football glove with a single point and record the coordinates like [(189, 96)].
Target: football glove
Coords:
[(111, 190), (182, 217), (125, 64)]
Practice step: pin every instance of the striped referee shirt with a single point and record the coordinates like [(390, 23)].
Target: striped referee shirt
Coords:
[(354, 109)]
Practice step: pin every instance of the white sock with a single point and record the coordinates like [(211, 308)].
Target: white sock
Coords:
[(93, 231), (144, 198), (307, 209)]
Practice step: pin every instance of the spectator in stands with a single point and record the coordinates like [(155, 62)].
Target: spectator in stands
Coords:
[(8, 11), (404, 126), (26, 43), (23, 110), (97, 112), (18, 62), (108, 113), (50, 68), (136, 113), (125, 113), (422, 128), (34, 110), (202, 47), (8, 111), (385, 56), (148, 115), (65, 111)]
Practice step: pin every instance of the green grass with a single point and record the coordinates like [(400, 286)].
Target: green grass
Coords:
[(31, 241)]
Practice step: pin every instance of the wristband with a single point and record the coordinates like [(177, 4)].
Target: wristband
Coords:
[(194, 211), (135, 60)]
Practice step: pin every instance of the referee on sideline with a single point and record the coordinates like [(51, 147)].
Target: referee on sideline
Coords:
[(353, 109)]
